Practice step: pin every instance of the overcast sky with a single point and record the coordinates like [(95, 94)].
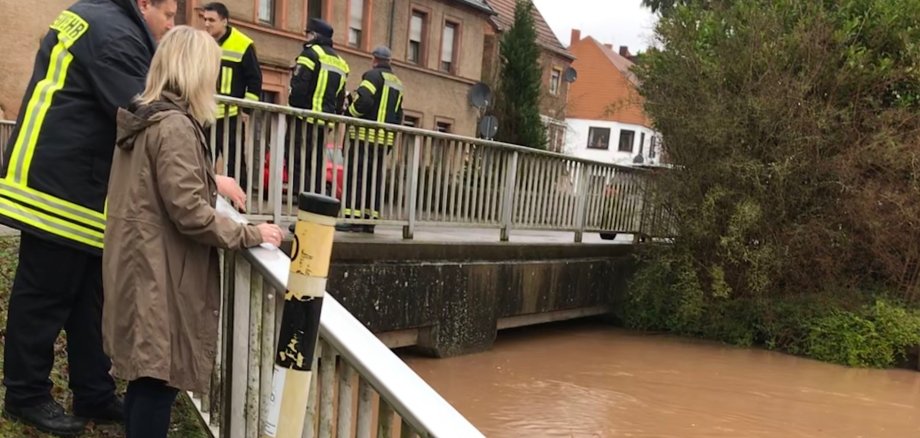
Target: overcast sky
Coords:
[(619, 22)]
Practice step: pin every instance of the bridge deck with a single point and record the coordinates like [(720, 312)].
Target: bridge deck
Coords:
[(429, 234)]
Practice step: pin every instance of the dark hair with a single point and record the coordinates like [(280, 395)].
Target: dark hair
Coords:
[(218, 7)]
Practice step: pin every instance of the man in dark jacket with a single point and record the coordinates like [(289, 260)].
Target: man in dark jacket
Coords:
[(378, 98), (318, 84), (53, 187), (240, 77)]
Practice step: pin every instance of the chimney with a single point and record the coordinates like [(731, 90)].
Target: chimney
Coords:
[(576, 36), (609, 46), (624, 52)]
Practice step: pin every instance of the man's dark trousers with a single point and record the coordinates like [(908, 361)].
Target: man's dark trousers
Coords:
[(56, 287), (364, 179)]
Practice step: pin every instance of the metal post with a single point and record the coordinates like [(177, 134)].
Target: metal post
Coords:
[(581, 204), (414, 169), (277, 165), (508, 197), (303, 302)]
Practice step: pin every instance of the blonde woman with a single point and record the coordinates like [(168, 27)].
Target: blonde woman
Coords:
[(160, 265)]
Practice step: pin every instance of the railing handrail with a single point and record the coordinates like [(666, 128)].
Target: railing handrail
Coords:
[(417, 131), (413, 399)]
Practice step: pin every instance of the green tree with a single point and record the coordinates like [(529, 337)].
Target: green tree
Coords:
[(793, 127), (666, 6), (517, 103), (662, 6)]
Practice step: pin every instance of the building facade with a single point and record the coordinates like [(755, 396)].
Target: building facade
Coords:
[(22, 26), (437, 47), (606, 117)]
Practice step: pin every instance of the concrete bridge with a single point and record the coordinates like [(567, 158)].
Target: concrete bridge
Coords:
[(449, 292)]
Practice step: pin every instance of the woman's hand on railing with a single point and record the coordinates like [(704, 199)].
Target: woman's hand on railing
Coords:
[(271, 234), (228, 187)]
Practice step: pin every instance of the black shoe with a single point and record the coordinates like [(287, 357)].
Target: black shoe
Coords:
[(349, 228), (48, 417), (111, 413), (368, 229)]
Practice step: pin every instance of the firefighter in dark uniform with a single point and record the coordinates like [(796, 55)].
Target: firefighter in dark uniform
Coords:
[(318, 84), (240, 77), (378, 98), (53, 185)]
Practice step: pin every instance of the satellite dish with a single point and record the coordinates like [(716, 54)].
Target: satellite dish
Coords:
[(488, 127), (570, 75), (480, 95)]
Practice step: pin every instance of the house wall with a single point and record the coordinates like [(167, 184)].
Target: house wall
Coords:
[(602, 91), (22, 26), (577, 142), (429, 93)]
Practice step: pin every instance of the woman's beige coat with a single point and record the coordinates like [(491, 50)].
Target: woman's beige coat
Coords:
[(160, 265)]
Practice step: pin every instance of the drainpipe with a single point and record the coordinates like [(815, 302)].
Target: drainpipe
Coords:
[(392, 20)]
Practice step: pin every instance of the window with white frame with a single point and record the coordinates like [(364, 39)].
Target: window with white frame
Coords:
[(267, 11), (627, 138), (555, 79), (449, 46), (443, 126), (598, 138), (315, 9), (416, 37), (355, 22)]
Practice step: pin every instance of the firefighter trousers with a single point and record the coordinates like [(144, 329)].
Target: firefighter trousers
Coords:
[(56, 287), (363, 179)]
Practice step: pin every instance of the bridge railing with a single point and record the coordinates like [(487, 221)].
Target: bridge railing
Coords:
[(419, 177), (6, 130), (360, 388)]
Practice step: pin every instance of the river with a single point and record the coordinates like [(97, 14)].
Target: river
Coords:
[(586, 379)]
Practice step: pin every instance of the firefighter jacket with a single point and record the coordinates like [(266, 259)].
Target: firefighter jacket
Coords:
[(378, 98), (56, 167), (240, 74), (318, 83)]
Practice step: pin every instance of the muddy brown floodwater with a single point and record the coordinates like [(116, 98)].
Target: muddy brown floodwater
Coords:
[(591, 380)]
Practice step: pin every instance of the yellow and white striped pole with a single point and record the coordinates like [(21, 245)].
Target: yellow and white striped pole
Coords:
[(303, 303)]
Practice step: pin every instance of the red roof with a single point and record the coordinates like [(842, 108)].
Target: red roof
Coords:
[(620, 62), (545, 36)]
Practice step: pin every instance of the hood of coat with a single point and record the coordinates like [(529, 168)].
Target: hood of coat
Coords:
[(135, 119)]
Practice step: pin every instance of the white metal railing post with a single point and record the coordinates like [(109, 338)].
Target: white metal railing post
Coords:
[(276, 167), (581, 204), (508, 197), (412, 200)]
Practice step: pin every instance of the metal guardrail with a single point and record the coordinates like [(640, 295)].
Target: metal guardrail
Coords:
[(6, 130), (361, 387), (426, 177)]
